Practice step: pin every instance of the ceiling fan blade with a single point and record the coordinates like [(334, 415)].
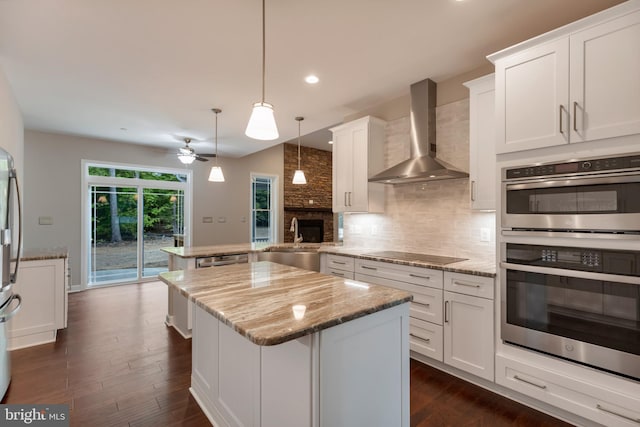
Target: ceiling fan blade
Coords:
[(200, 158), (207, 155)]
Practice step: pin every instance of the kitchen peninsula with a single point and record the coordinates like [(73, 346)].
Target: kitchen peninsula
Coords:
[(275, 345)]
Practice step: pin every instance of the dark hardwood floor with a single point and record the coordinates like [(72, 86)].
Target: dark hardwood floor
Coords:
[(117, 364)]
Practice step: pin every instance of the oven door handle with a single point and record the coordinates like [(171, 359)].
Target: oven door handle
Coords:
[(571, 273), (571, 235), (574, 181)]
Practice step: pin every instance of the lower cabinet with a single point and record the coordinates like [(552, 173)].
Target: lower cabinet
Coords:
[(451, 315), (589, 395), (468, 334), (337, 265), (42, 284), (353, 374)]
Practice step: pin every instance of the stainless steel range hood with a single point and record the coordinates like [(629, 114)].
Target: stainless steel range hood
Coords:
[(422, 164)]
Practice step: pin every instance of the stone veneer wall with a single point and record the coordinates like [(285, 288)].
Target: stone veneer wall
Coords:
[(432, 217), (317, 167)]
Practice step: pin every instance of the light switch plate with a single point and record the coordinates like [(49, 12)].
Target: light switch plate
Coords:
[(45, 220), (485, 234), (207, 219)]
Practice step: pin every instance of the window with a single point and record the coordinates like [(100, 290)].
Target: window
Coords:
[(263, 208)]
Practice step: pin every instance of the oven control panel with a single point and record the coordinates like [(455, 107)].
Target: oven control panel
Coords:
[(573, 167), (609, 261)]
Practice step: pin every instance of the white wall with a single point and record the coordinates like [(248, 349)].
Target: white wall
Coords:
[(52, 187)]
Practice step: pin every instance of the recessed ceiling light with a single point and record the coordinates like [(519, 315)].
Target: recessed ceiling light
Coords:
[(331, 142), (311, 79)]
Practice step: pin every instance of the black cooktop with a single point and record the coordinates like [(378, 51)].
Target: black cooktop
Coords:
[(408, 256)]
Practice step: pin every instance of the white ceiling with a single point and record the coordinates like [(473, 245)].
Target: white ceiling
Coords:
[(157, 67)]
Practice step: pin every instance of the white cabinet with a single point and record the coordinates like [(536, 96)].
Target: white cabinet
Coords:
[(358, 154), (425, 322), (468, 324), (579, 83), (337, 265), (482, 143), (353, 374), (42, 284), (590, 395)]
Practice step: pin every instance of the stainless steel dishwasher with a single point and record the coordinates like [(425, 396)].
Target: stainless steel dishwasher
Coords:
[(218, 260)]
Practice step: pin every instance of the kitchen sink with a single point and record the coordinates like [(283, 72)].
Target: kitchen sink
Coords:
[(306, 258)]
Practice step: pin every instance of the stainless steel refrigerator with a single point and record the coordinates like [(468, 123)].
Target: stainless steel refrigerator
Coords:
[(10, 245)]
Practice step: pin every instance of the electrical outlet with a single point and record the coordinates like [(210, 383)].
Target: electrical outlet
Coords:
[(222, 219), (310, 202), (374, 230), (485, 234)]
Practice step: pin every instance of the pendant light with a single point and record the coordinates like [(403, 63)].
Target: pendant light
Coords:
[(262, 124), (298, 176), (216, 174)]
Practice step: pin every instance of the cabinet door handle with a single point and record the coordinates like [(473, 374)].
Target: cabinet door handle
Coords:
[(575, 119), (455, 282), (561, 126), (417, 276), (366, 267), (337, 274), (339, 262), (446, 312), (626, 417), (540, 386), (473, 191), (345, 199)]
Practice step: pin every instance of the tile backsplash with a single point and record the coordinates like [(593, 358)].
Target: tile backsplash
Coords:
[(430, 217)]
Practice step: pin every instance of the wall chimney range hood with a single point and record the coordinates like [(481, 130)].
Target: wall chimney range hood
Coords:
[(422, 164)]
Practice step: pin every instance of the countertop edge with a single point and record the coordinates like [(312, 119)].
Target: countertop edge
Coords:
[(266, 341)]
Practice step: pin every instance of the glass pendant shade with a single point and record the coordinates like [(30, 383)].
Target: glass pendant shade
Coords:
[(299, 178), (186, 159), (262, 123), (216, 174)]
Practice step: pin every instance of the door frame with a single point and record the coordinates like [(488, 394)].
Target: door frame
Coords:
[(140, 185)]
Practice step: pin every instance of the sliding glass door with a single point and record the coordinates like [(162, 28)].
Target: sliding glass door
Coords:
[(132, 215)]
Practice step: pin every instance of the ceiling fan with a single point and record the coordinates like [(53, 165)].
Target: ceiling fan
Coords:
[(187, 154)]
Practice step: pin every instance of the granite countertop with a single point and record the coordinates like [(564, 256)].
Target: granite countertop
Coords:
[(470, 266), (259, 299), (40, 254), (240, 248)]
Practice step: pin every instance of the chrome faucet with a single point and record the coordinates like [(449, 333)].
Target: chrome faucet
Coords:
[(294, 229)]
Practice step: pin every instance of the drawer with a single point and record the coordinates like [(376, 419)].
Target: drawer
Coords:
[(477, 286), (427, 308), (404, 273), (596, 402), (426, 304), (338, 262), (425, 338), (340, 273)]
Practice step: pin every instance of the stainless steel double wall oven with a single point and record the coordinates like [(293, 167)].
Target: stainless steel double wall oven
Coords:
[(570, 260)]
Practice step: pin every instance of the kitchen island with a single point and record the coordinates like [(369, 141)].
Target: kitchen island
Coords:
[(274, 345), (188, 258)]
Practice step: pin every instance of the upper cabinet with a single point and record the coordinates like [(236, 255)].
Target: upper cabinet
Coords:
[(575, 84), (482, 142), (358, 154)]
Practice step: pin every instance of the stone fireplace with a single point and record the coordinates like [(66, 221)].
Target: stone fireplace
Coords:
[(310, 203)]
